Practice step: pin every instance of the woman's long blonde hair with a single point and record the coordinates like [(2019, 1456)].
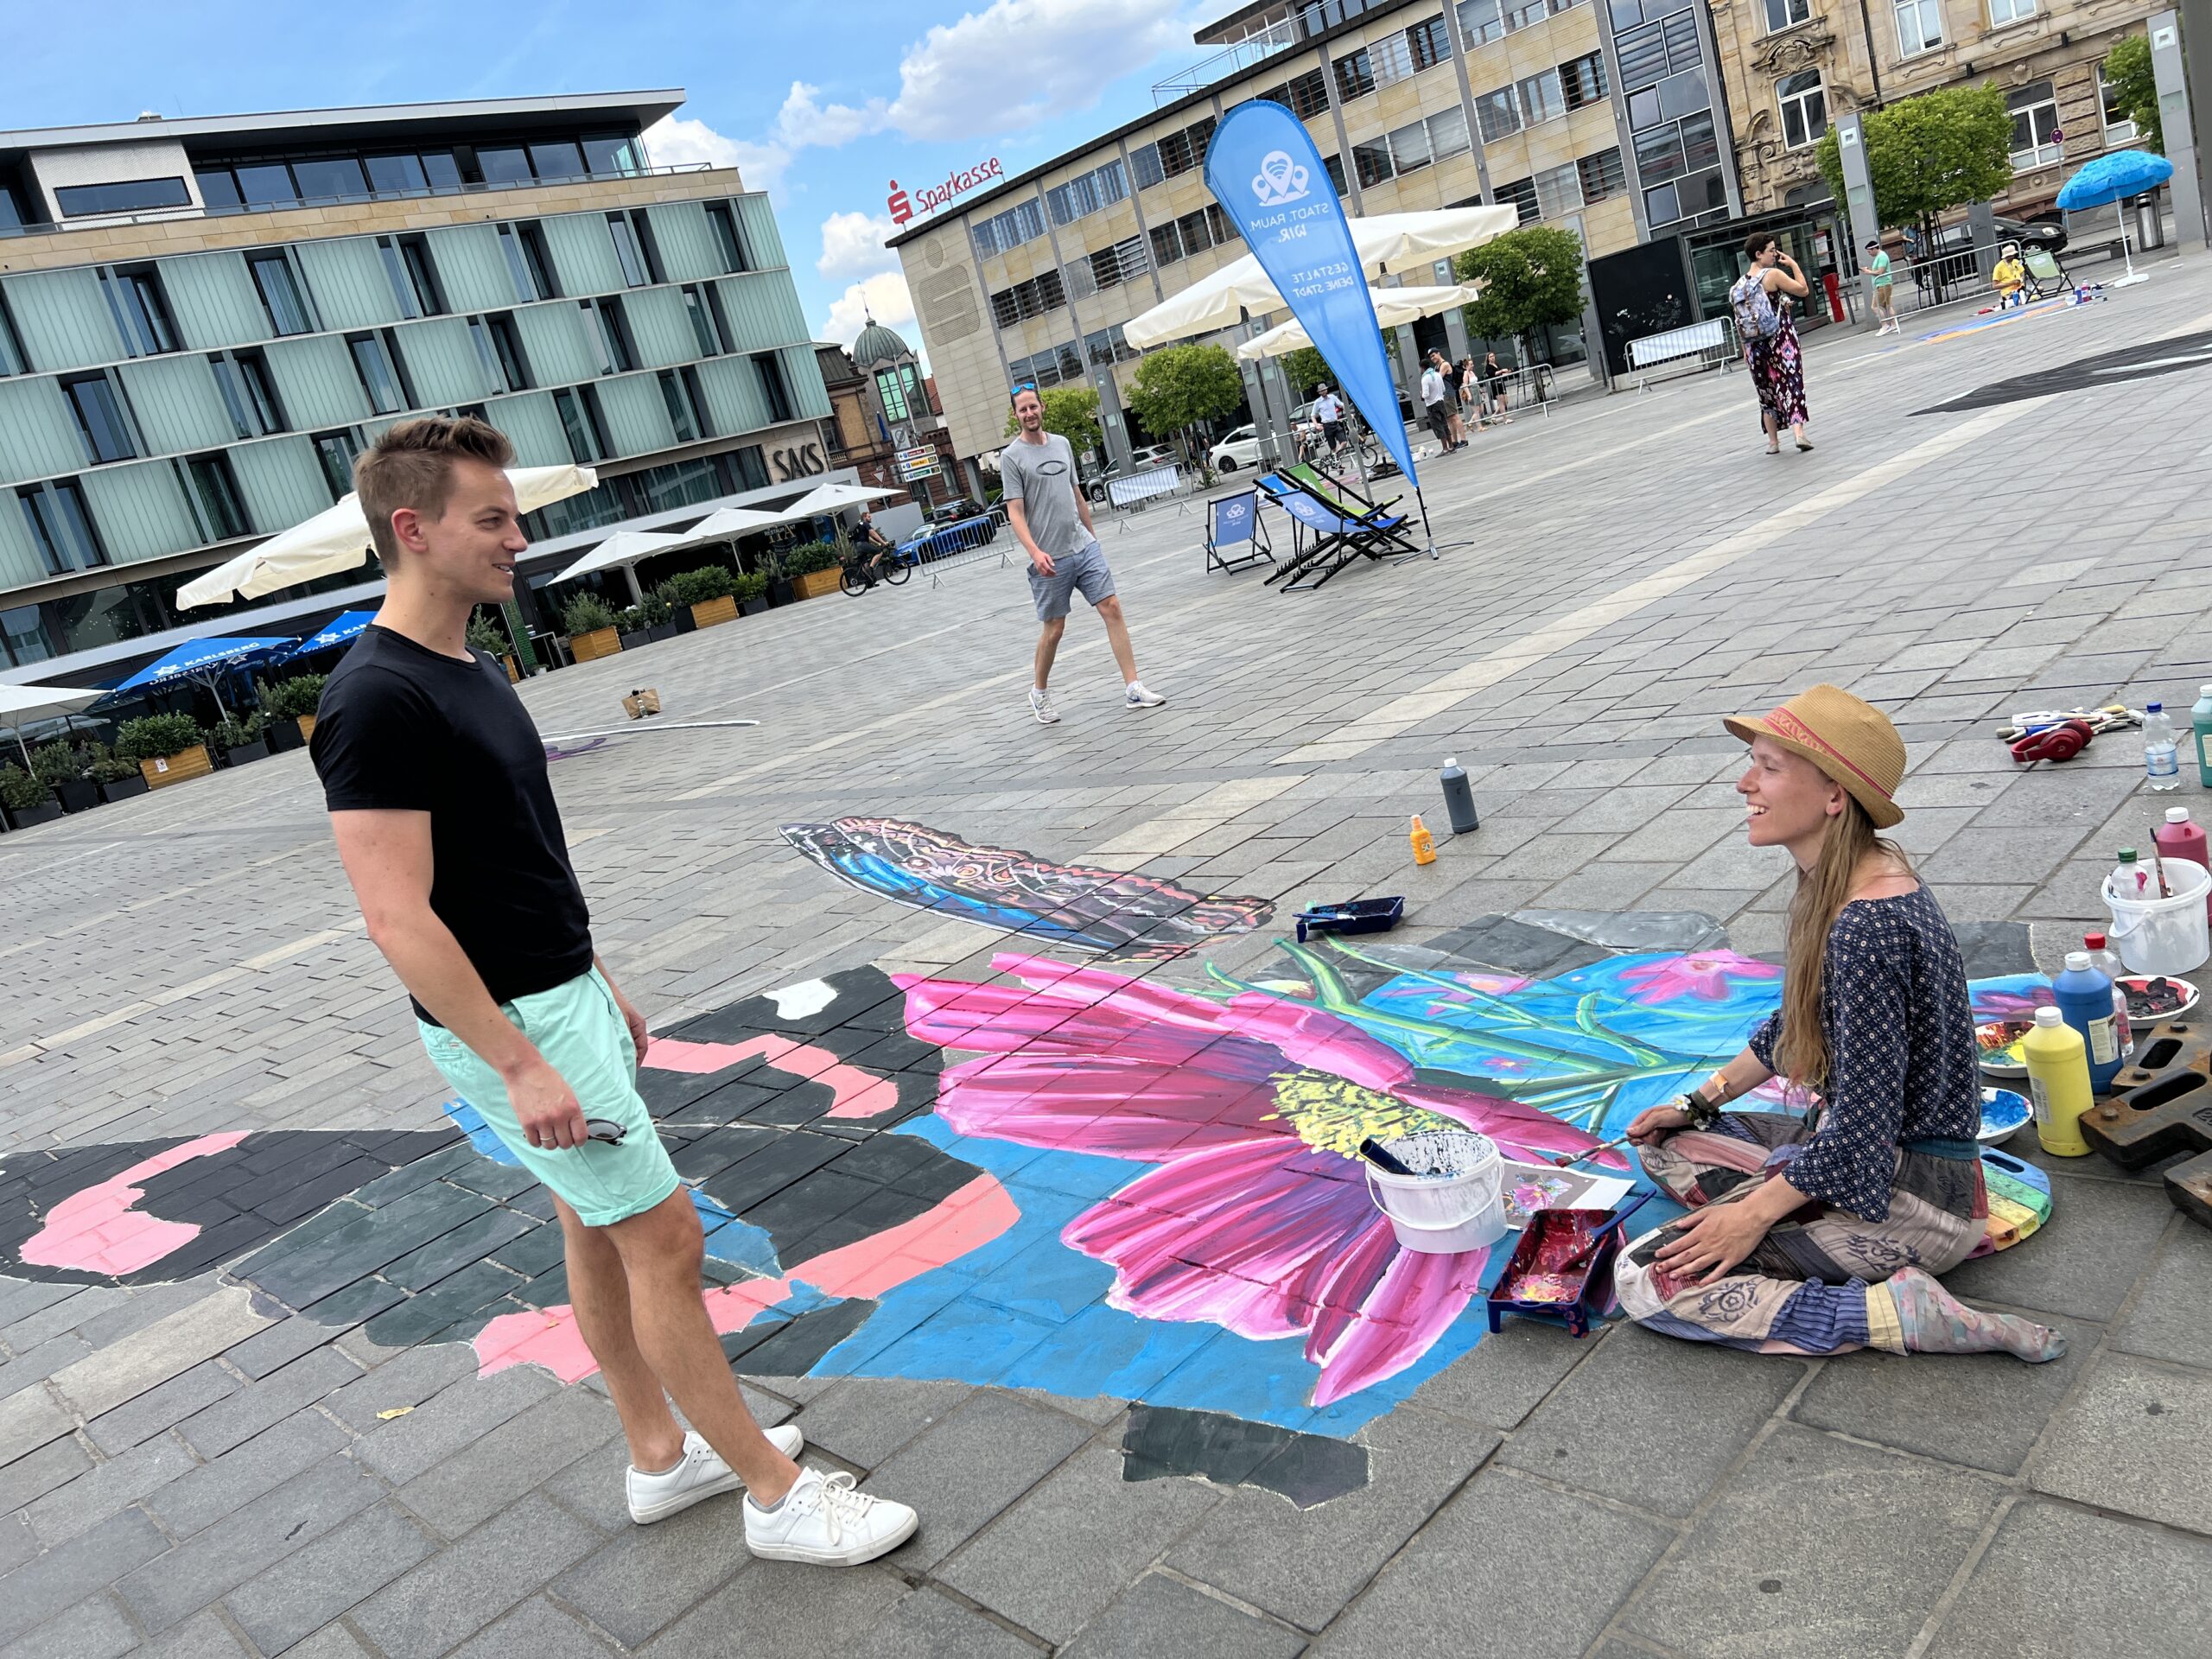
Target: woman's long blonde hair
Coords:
[(1822, 892)]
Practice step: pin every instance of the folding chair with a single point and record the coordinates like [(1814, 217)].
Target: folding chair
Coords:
[(1232, 522), (2046, 276), (1339, 537), (1331, 491)]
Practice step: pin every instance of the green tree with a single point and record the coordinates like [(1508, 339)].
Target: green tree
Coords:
[(1531, 278), (1930, 154), (1070, 412), (1178, 386), (2134, 91), (1305, 368)]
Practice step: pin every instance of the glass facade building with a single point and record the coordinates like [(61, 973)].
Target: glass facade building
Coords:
[(203, 323)]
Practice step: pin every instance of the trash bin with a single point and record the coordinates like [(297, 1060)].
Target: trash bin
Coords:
[(2150, 223)]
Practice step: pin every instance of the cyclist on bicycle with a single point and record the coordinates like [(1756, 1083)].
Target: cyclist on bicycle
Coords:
[(1329, 409)]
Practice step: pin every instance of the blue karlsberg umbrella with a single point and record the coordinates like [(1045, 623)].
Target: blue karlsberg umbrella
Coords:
[(2112, 178), (346, 625), (201, 660)]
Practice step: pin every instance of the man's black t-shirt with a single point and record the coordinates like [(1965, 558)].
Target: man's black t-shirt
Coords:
[(404, 727)]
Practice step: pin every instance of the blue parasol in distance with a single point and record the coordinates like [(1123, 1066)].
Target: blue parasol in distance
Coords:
[(2112, 178)]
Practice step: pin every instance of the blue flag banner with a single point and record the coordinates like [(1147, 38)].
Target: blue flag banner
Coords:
[(1264, 171)]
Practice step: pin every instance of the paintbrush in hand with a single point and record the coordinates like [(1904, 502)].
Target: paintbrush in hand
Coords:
[(1564, 1161)]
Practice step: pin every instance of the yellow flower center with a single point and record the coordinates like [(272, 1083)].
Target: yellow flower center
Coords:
[(1330, 1114)]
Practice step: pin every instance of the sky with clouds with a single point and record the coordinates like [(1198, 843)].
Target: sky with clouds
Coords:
[(822, 102)]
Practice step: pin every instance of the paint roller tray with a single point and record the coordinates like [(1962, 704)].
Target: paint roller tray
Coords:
[(1558, 1270), (1354, 916)]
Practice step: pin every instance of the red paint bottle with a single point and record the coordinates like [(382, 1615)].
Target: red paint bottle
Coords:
[(2178, 837)]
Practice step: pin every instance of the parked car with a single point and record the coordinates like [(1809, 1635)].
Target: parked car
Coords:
[(1240, 448), (1150, 459), (952, 511)]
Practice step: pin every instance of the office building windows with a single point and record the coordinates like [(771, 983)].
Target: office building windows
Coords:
[(413, 279), (1498, 114), (334, 178), (559, 160), (1429, 42), (61, 528), (124, 196), (1194, 233), (1521, 195), (2010, 11), (1804, 108), (1355, 75), (612, 155), (12, 360), (140, 309), (1371, 161), (1410, 148), (335, 453), (581, 424), (1542, 99), (1448, 132), (1305, 96), (708, 331), (506, 346), (1335, 166), (894, 394), (1087, 192), (1582, 80), (1559, 191), (629, 248), (2119, 126), (1920, 26), (1107, 347), (1480, 21), (1145, 162), (729, 239), (1602, 175), (1062, 364), (2035, 120), (213, 489), (1525, 14), (1040, 294), (282, 296), (396, 175), (503, 164), (770, 368), (529, 261), (1108, 267), (1788, 14), (103, 421), (379, 375), (606, 323), (1182, 151), (683, 413)]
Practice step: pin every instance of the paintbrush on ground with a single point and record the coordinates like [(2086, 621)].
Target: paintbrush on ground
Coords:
[(1567, 1162)]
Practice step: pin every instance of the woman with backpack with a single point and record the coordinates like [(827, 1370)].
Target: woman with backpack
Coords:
[(1760, 300)]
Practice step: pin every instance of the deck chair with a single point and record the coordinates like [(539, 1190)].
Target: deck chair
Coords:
[(1344, 497), (1235, 536), (2046, 276), (1338, 538)]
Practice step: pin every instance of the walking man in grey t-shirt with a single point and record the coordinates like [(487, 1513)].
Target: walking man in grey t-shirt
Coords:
[(1054, 521)]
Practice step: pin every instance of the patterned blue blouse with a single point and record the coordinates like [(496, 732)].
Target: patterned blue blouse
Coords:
[(1902, 1062)]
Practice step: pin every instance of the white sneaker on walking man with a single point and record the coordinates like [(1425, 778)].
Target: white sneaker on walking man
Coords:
[(1053, 523)]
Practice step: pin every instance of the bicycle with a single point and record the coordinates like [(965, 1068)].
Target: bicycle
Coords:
[(878, 563)]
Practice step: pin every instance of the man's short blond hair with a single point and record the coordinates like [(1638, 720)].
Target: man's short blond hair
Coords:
[(411, 466)]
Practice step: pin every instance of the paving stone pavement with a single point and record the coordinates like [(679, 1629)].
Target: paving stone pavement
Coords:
[(291, 1451)]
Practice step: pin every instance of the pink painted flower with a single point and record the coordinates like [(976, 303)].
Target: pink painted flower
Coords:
[(1704, 974), (1256, 1217)]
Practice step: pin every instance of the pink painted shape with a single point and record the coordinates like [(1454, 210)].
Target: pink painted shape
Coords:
[(854, 1093), (974, 1216), (101, 1230)]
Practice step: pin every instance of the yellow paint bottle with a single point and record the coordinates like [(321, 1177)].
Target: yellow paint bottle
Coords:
[(1424, 843), (2058, 1079)]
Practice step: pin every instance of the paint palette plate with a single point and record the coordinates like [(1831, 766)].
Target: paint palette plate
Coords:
[(2004, 1113), (2000, 1042), (2158, 996)]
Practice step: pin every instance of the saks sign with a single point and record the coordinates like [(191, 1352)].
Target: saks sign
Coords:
[(904, 207)]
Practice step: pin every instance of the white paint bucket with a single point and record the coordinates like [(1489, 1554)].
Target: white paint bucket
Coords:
[(2164, 936), (1456, 1199)]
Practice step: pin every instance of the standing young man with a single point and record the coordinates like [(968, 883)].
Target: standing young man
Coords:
[(1329, 410), (1436, 404), (1053, 521), (1886, 300), (435, 777)]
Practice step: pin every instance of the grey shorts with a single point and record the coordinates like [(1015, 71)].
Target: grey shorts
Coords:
[(1083, 572)]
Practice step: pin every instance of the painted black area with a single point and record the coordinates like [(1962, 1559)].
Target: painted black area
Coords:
[(1993, 949), (2137, 362), (1161, 1441)]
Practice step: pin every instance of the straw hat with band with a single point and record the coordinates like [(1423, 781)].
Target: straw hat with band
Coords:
[(1851, 740)]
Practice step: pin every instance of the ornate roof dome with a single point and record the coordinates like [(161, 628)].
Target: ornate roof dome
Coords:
[(878, 344)]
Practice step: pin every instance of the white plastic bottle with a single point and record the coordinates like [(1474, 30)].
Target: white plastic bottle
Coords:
[(2161, 752), (2107, 962), (2129, 878)]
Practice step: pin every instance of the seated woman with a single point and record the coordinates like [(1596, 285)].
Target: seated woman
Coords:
[(2011, 277), (1819, 1235)]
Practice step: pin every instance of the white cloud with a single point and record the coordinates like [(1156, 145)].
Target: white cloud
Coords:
[(852, 246), (884, 296), (670, 142), (801, 121), (1062, 54)]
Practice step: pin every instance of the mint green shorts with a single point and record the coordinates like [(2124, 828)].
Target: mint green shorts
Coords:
[(582, 1036)]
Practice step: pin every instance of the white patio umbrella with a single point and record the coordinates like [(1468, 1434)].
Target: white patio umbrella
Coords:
[(1392, 306), (727, 524), (832, 498), (624, 548), (337, 540), (21, 704), (1387, 242)]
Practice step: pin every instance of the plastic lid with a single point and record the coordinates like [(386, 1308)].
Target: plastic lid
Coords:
[(2152, 708), (1452, 760), (2204, 691), (2094, 941), (2127, 854), (2177, 814), (2077, 962), (2047, 1015)]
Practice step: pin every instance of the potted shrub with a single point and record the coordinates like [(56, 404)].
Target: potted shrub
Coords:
[(630, 627), (679, 613), (813, 569), (709, 592), (238, 741), (486, 636), (659, 613), (168, 748), (779, 579), (116, 779), (27, 799), (61, 769), (589, 622), (292, 705), (751, 592)]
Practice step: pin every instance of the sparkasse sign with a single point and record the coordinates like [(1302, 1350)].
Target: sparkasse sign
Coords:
[(904, 207)]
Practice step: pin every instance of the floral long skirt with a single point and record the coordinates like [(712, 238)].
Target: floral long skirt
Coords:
[(1778, 376)]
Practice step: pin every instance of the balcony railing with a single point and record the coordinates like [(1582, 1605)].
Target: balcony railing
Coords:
[(168, 215), (1229, 60)]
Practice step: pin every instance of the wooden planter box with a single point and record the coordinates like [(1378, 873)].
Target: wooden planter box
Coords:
[(176, 768), (307, 726), (514, 674), (714, 610), (121, 789), (816, 583), (600, 642)]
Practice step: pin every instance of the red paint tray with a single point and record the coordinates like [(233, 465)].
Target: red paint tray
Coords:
[(1559, 1270)]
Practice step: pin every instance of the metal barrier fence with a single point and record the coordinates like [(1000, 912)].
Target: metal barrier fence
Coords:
[(956, 546), (1142, 487), (1534, 387), (1701, 345)]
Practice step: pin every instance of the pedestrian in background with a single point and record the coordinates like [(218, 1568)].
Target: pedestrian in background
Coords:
[(1885, 298), (1495, 383), (1470, 395), (1436, 403), (1760, 302)]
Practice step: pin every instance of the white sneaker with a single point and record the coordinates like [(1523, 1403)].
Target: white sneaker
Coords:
[(1040, 704), (826, 1521), (1138, 697), (699, 1474)]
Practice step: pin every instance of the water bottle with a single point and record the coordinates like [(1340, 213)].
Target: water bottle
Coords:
[(1459, 799), (2084, 997), (2130, 878), (2108, 962), (2161, 753), (2058, 1083), (2200, 724)]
